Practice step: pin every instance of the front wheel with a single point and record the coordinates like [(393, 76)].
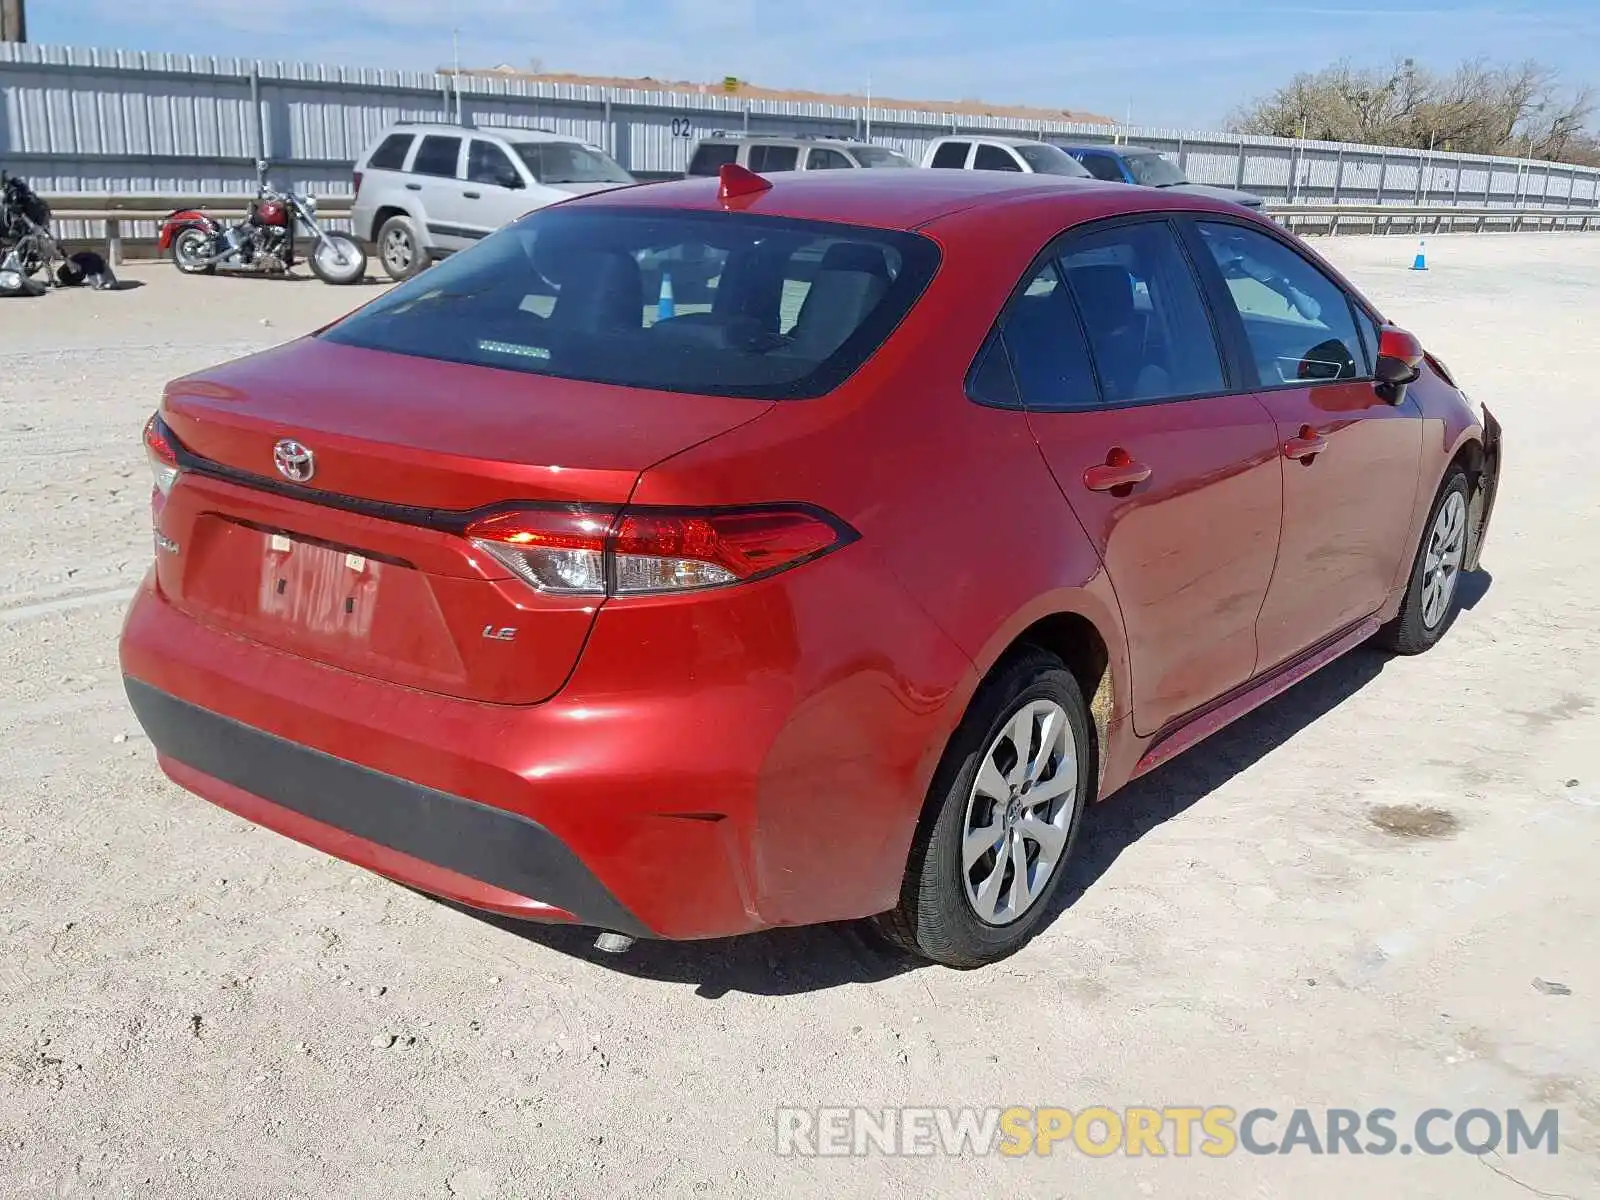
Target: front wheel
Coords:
[(191, 252), (1430, 603), (338, 260), (1004, 812)]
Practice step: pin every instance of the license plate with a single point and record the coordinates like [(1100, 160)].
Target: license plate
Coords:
[(317, 588)]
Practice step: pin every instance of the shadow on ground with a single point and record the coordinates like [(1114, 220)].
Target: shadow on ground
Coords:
[(784, 962)]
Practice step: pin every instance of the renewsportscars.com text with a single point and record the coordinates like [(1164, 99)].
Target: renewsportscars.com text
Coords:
[(1212, 1132)]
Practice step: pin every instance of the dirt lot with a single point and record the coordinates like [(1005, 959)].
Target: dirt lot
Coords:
[(190, 1007)]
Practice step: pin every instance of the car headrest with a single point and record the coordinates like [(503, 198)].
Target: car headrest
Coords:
[(1105, 295), (855, 256)]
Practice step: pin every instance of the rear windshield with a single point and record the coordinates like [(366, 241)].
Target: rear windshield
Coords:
[(716, 303)]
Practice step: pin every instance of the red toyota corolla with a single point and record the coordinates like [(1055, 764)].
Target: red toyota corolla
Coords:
[(831, 581)]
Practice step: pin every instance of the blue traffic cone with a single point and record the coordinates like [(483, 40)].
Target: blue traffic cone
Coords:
[(1420, 262), (666, 306)]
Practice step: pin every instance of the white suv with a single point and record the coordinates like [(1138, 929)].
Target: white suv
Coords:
[(424, 190), (985, 153)]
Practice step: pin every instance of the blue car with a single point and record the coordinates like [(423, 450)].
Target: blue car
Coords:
[(1137, 164)]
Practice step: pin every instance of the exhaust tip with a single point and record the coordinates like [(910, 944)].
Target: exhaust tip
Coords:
[(613, 943)]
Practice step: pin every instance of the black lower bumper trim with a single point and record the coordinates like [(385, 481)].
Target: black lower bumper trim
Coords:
[(476, 840)]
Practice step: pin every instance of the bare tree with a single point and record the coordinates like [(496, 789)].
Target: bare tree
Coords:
[(1479, 108)]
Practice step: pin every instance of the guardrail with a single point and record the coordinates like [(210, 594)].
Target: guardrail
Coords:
[(117, 212)]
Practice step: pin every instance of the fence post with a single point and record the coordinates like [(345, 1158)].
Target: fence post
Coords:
[(1238, 175), (114, 242), (258, 128), (1383, 173), (1461, 169), (1183, 158), (1338, 180)]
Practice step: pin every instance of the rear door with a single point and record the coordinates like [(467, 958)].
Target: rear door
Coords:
[(1350, 459), (1170, 468), (436, 176)]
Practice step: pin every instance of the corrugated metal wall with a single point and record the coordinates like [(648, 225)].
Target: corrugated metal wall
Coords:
[(103, 121)]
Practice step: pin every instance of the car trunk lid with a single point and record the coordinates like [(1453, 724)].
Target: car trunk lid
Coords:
[(362, 564)]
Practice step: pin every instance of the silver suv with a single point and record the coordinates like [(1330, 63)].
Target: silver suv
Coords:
[(426, 190), (765, 153)]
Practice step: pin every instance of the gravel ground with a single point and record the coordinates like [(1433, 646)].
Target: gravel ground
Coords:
[(191, 1007)]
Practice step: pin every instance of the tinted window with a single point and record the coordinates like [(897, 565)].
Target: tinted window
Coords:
[(391, 155), (487, 163), (711, 157), (438, 156), (1102, 166), (1051, 160), (991, 381), (1296, 319), (994, 158), (1149, 330), (827, 160), (1046, 346), (951, 154), (570, 162), (764, 307), (774, 158)]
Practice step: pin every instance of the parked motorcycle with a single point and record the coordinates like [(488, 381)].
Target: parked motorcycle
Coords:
[(264, 241), (29, 248)]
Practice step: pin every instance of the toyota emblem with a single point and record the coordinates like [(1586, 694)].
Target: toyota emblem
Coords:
[(294, 461)]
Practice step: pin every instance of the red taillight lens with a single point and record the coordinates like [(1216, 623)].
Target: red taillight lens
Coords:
[(653, 550), (163, 456), (358, 182)]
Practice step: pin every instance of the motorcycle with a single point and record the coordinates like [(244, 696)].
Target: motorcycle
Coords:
[(28, 248), (264, 241)]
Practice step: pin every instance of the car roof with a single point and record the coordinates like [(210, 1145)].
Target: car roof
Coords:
[(909, 200), (1108, 148), (795, 139), (510, 133), (992, 138)]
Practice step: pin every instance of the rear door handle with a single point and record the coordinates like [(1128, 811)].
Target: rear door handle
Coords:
[(1306, 446), (1118, 471), (471, 195), (413, 187)]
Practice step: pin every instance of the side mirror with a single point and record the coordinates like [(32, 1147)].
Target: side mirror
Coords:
[(1399, 363), (509, 180)]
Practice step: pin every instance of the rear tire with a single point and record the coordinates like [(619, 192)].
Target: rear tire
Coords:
[(400, 250), (339, 260), (190, 251), (1430, 605), (1004, 811)]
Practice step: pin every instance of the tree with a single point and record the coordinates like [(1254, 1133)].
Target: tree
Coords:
[(1479, 108)]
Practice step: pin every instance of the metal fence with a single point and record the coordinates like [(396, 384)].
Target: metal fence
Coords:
[(116, 123)]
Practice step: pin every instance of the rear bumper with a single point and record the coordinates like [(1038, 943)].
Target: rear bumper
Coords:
[(698, 776), (445, 844)]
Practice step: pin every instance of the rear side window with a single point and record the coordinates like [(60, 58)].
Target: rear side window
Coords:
[(951, 154), (1048, 355), (994, 158), (391, 154), (437, 156), (762, 307), (774, 158), (711, 157), (1149, 329), (1298, 321)]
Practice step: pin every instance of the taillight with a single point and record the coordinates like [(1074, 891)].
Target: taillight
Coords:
[(357, 175), (653, 550), (163, 456)]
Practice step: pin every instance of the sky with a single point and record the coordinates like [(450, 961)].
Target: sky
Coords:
[(1167, 62)]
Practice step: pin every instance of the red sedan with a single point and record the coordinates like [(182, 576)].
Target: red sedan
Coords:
[(708, 556)]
